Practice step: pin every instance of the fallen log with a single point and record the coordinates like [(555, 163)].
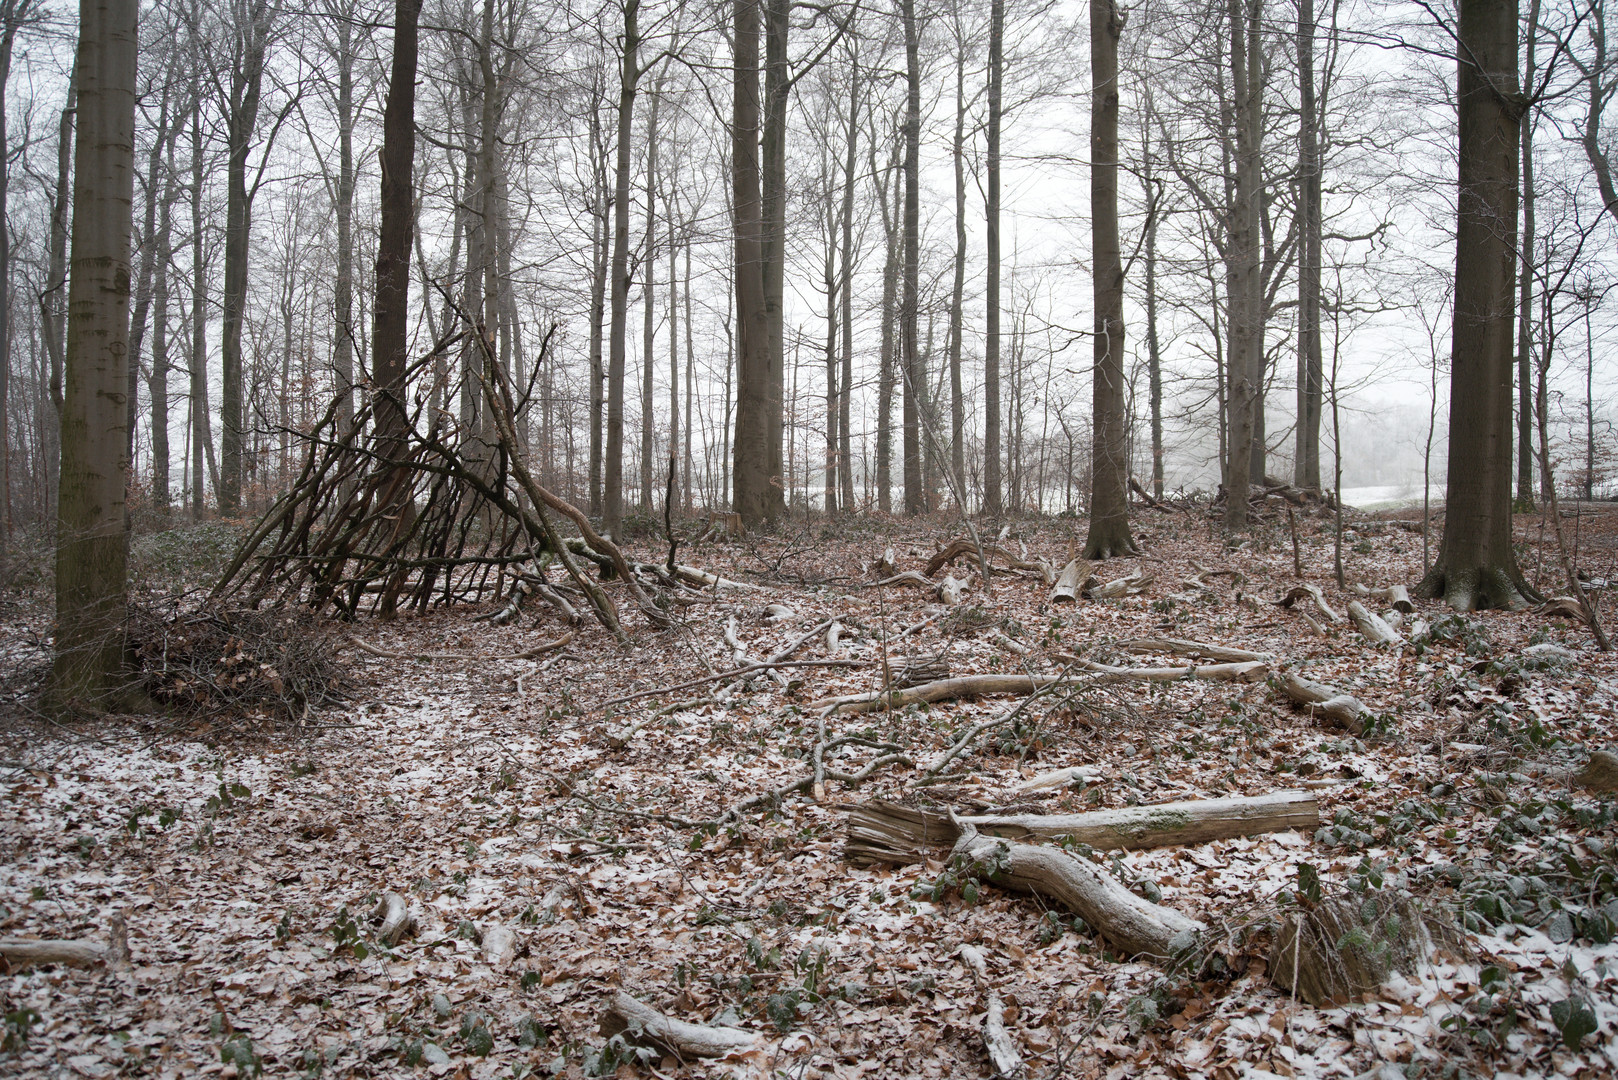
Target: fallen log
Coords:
[(1155, 504), (1312, 592), (1002, 1048), (1372, 626), (950, 590), (79, 954), (393, 911), (1071, 581), (704, 580), (1196, 650), (963, 546), (963, 686), (1249, 671), (1138, 582), (642, 1023), (1322, 700), (1396, 595), (1333, 951), (1132, 925), (885, 832), (908, 577)]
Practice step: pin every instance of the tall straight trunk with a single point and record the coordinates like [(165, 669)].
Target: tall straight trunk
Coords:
[(674, 329), (1306, 459), (629, 75), (158, 385), (1154, 352), (886, 359), (242, 119), (92, 522), (391, 312), (648, 418), (828, 280), (473, 270), (600, 256), (773, 209), (343, 352), (957, 402), (1245, 355), (1525, 280), (12, 15), (1476, 566), (1109, 534), (845, 454), (756, 393), (147, 251), (201, 421), (993, 505), (915, 378), (690, 379)]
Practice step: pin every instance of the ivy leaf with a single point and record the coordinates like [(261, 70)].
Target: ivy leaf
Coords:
[(1575, 1019)]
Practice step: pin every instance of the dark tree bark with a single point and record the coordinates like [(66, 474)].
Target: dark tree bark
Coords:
[(846, 285), (957, 403), (886, 359), (629, 76), (915, 378), (993, 505), (773, 203), (158, 384), (1476, 566), (648, 260), (1306, 470), (343, 300), (247, 79), (92, 522), (390, 318), (1525, 276), (600, 250), (751, 475), (1245, 354), (1154, 354), (1109, 445)]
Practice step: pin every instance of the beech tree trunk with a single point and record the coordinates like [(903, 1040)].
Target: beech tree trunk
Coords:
[(92, 522), (886, 376), (1306, 467), (993, 504), (1476, 566), (750, 473), (915, 378), (1109, 445), (1245, 352), (1525, 276), (629, 75), (390, 319)]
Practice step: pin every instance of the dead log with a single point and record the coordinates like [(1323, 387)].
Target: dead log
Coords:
[(1006, 643), (908, 577), (642, 1023), (1312, 592), (702, 579), (1372, 626), (1561, 607), (1071, 581), (1248, 671), (1146, 497), (1132, 925), (920, 670), (963, 547), (78, 954), (393, 912), (1196, 650), (884, 832), (1322, 700), (950, 589), (556, 600), (887, 563), (1398, 596), (998, 1042), (964, 686), (1138, 582), (499, 946)]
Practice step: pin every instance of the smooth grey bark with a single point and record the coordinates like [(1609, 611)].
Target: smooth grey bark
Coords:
[(601, 261), (157, 390), (957, 402), (845, 454), (887, 376), (14, 14), (1601, 84), (751, 475), (1525, 280), (92, 521), (1109, 534), (1476, 566), (202, 450), (993, 504), (343, 289), (1245, 352), (1154, 353), (773, 209), (648, 261)]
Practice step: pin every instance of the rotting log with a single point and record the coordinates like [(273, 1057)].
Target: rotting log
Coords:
[(1397, 596), (1331, 952), (393, 912), (1002, 1048), (79, 954), (1322, 700), (1312, 592), (963, 686), (1249, 671), (527, 654), (1372, 626), (885, 832), (963, 546), (1196, 650), (1071, 581), (1131, 924), (950, 590), (908, 577), (1138, 582), (643, 1024)]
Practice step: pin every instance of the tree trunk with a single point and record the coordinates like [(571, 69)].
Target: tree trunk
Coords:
[(845, 453), (390, 317), (201, 421), (629, 75), (773, 208), (92, 520), (158, 386), (993, 505), (1109, 446), (343, 351), (886, 376), (1525, 276), (1476, 566), (957, 403), (648, 419), (915, 378), (1306, 470), (600, 263), (246, 81), (751, 474), (1245, 354)]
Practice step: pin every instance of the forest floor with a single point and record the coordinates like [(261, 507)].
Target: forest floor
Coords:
[(504, 795)]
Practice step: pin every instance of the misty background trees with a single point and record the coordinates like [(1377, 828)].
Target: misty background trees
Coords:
[(818, 257)]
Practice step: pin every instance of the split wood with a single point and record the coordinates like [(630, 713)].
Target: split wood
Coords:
[(1322, 700), (642, 1023)]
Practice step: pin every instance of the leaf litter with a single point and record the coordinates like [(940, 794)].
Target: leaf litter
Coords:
[(677, 847)]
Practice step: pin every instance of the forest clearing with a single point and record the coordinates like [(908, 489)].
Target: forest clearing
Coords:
[(460, 870)]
